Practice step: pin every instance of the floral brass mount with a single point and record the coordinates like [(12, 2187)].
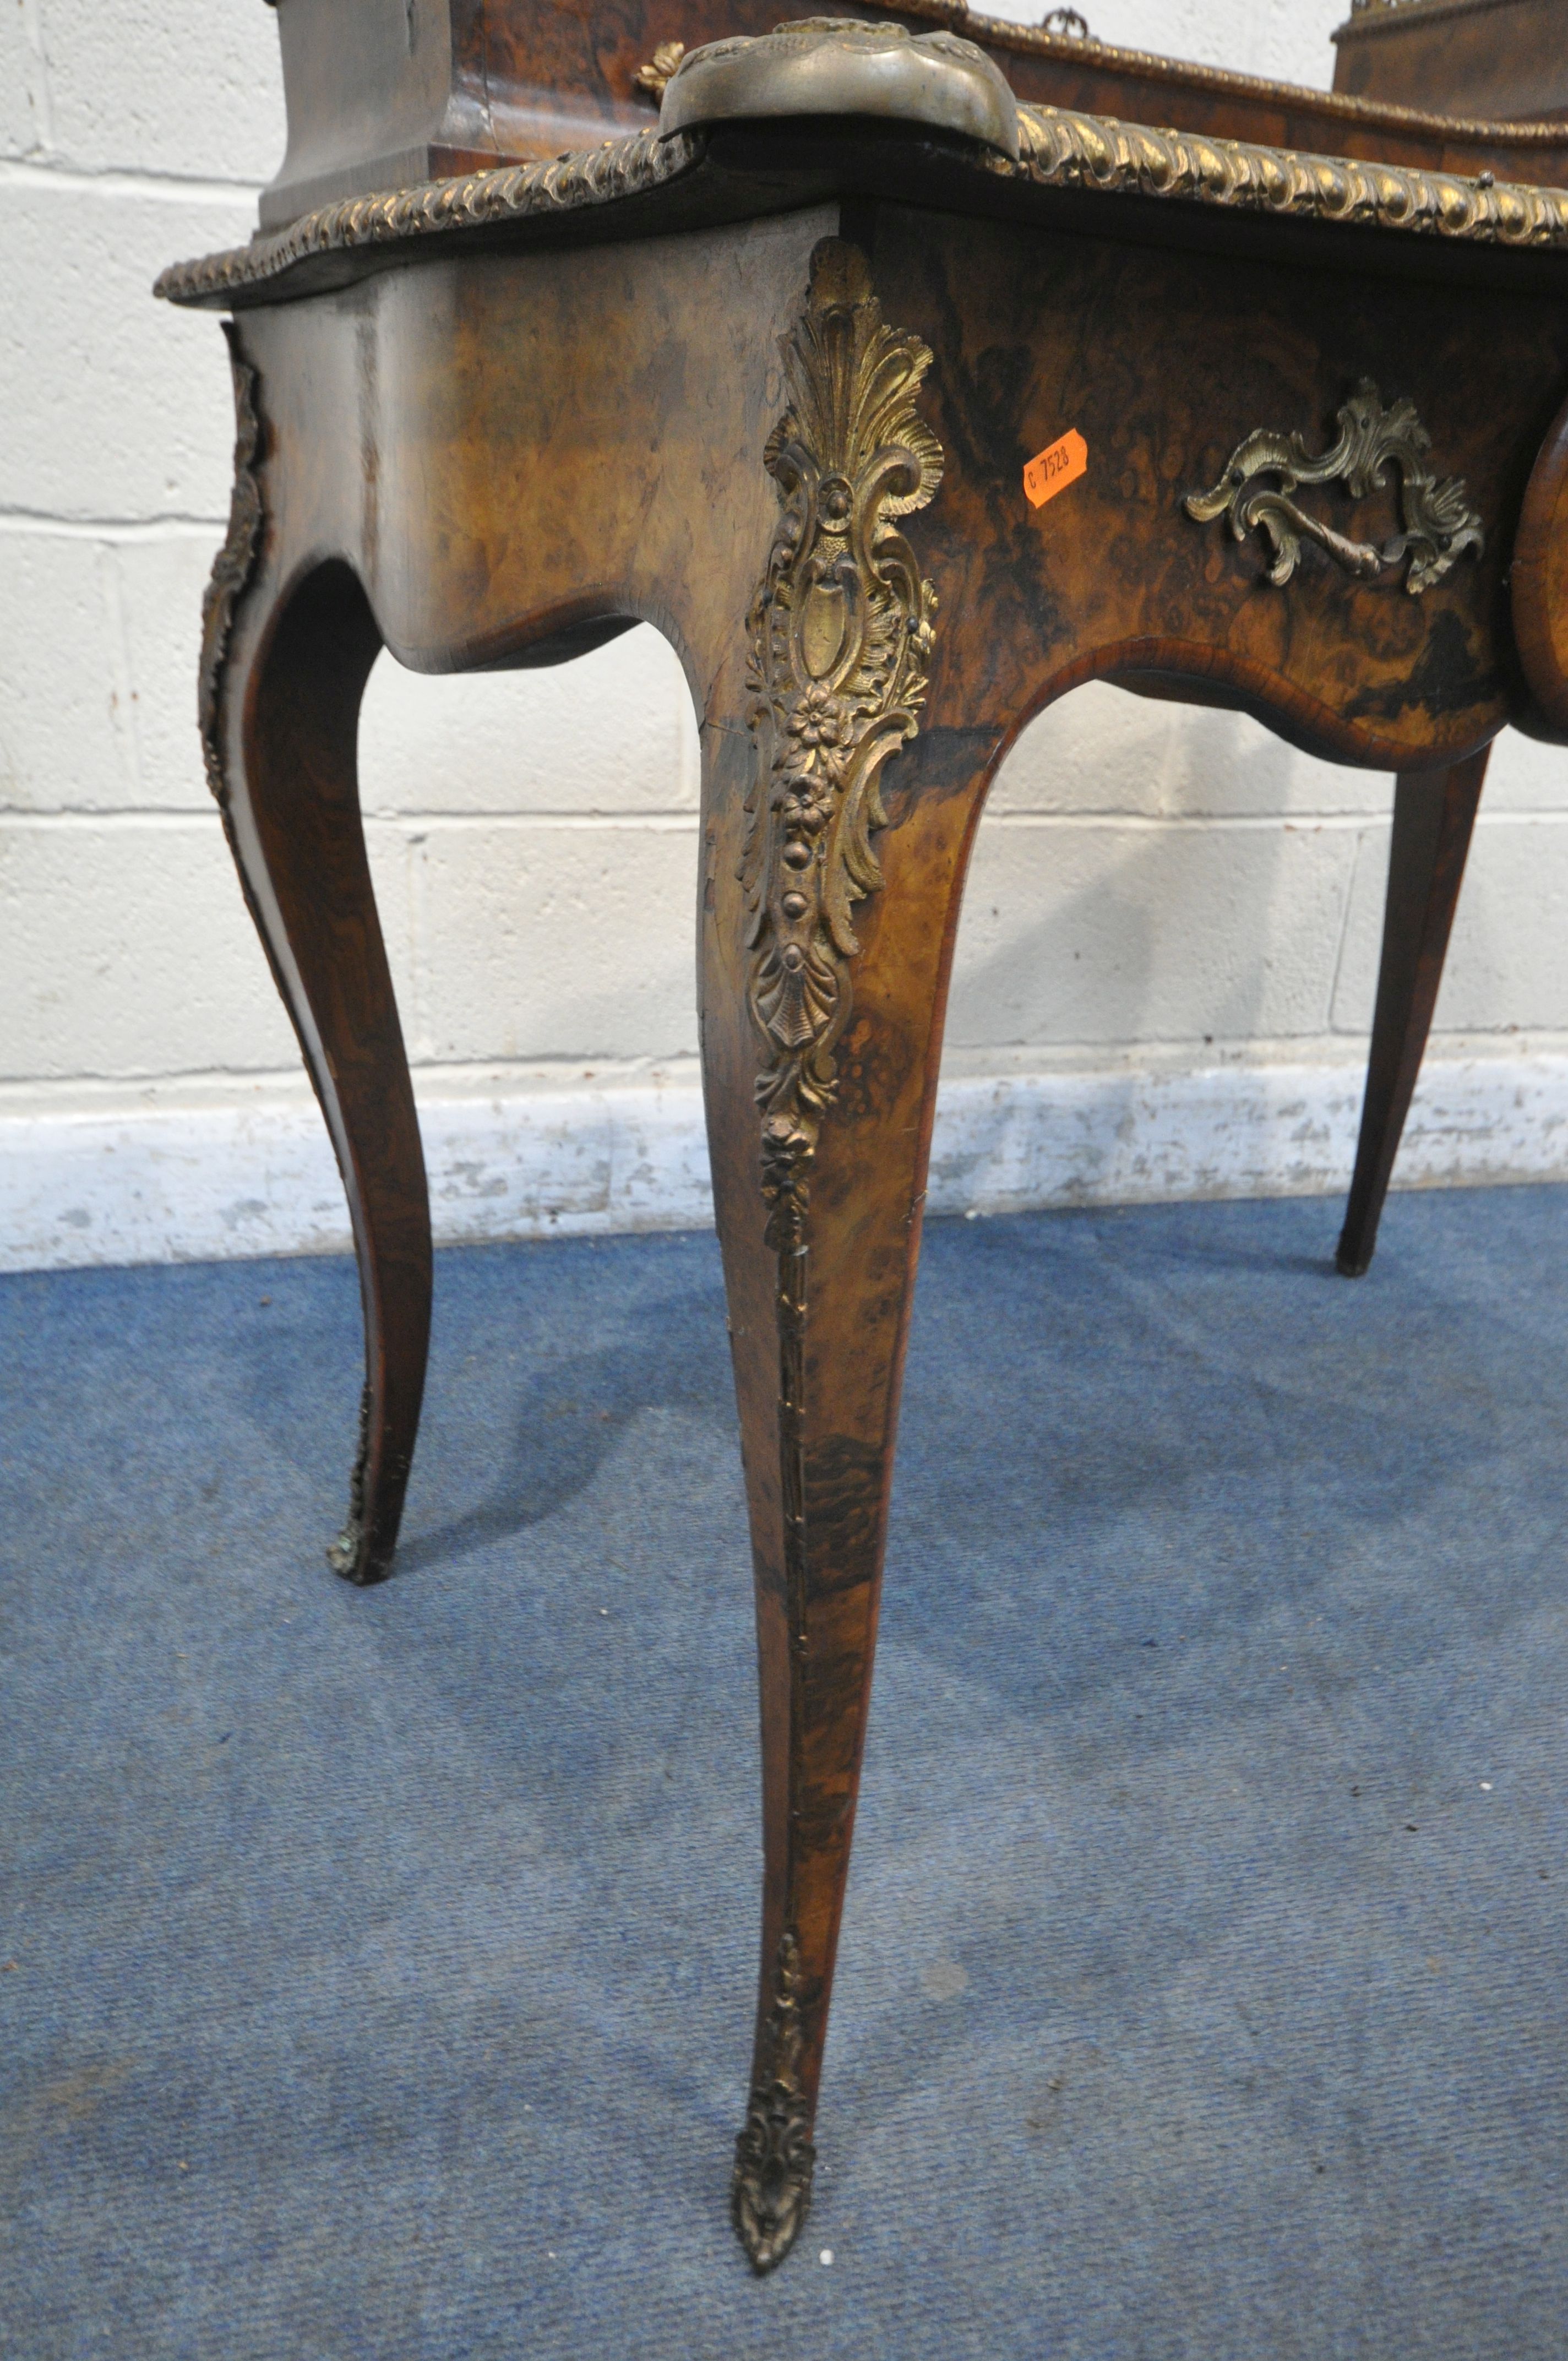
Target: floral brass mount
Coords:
[(840, 633), (1437, 525)]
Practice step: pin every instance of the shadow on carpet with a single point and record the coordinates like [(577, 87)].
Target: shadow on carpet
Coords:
[(376, 1967)]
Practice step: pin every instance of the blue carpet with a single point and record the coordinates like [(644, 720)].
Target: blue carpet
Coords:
[(377, 1968)]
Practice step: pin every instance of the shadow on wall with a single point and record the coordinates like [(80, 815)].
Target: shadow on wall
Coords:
[(540, 832), (1157, 873), (1127, 886), (1146, 875)]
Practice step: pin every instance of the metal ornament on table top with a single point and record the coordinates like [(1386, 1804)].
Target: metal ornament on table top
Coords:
[(1437, 527), (653, 79), (1061, 150), (843, 66)]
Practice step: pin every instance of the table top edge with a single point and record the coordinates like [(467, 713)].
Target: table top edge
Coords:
[(1090, 154)]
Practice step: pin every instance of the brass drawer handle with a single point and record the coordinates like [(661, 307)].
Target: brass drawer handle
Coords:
[(1437, 527)]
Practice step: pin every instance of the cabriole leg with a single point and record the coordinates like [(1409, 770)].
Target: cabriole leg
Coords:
[(1434, 813), (819, 1212), (826, 936), (283, 672)]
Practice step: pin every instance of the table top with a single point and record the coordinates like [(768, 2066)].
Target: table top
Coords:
[(1068, 164)]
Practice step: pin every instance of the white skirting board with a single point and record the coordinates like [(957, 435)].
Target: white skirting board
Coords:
[(171, 1182)]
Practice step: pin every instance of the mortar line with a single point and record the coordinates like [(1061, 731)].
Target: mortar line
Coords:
[(43, 524), (1184, 1059), (681, 820), (41, 172)]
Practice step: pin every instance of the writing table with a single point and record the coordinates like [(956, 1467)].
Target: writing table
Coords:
[(900, 408)]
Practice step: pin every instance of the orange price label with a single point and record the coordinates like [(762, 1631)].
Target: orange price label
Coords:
[(1058, 465)]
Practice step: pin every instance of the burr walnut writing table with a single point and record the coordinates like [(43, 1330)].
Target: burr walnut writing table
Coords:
[(774, 377)]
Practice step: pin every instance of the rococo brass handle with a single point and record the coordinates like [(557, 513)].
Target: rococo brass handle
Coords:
[(1438, 526)]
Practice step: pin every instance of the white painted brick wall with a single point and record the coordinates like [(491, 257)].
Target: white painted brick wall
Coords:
[(1165, 972)]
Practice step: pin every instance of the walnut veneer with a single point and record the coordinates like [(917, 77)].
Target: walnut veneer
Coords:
[(773, 386)]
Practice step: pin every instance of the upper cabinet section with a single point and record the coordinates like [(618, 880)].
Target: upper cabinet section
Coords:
[(1505, 59), (386, 93)]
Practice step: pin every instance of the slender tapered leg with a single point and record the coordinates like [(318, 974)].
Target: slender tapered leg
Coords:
[(827, 936), (284, 666), (1434, 812)]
